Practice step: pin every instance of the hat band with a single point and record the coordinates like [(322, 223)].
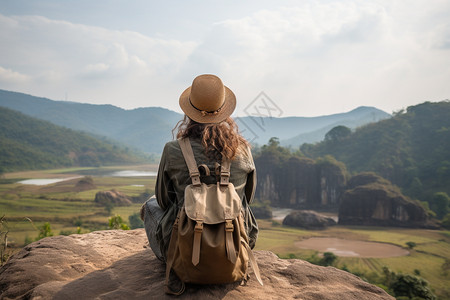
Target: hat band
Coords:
[(204, 112)]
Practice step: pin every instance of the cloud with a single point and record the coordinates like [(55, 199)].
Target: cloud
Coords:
[(322, 57), (12, 77), (310, 57), (89, 63)]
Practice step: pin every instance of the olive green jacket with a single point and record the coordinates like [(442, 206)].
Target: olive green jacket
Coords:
[(173, 177)]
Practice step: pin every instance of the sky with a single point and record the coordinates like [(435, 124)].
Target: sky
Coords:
[(308, 58)]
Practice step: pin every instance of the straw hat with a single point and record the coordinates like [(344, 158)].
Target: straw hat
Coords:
[(208, 100)]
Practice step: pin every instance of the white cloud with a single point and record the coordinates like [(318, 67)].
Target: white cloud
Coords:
[(312, 57), (326, 57), (89, 63), (10, 76)]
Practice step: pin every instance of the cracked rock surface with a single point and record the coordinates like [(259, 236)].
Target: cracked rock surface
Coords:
[(116, 264)]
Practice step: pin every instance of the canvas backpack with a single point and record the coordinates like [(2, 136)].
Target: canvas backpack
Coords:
[(209, 243)]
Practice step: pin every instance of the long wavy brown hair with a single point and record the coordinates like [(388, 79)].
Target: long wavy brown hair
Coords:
[(218, 139)]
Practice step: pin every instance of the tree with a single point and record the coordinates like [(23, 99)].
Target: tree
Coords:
[(338, 133), (446, 221), (440, 203), (411, 245), (411, 286), (328, 259)]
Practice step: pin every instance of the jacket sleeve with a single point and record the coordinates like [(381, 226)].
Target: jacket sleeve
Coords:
[(162, 180)]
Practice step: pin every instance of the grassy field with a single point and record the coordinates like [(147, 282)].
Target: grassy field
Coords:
[(428, 257), (68, 207), (63, 204)]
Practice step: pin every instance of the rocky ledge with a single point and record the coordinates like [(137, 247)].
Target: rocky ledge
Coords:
[(117, 264)]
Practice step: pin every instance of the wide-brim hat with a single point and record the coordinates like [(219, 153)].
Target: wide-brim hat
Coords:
[(207, 100)]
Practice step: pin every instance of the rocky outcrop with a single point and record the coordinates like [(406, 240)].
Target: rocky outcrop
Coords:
[(308, 219), (300, 182), (112, 198), (119, 265), (84, 184), (372, 200)]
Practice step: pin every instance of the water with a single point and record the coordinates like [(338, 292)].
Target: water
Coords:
[(133, 173), (45, 181), (123, 173), (279, 214)]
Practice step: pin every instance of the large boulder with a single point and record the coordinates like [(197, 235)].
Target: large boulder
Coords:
[(372, 200), (117, 264), (113, 197), (308, 219)]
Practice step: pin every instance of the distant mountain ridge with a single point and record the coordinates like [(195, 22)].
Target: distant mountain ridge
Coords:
[(27, 143), (148, 129)]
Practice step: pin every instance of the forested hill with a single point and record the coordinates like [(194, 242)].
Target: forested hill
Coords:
[(149, 128), (27, 143), (411, 149)]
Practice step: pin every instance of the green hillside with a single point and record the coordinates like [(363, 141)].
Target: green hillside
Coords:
[(149, 128), (411, 149), (27, 143), (146, 129)]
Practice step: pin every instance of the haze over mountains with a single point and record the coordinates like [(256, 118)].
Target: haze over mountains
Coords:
[(148, 129), (27, 143)]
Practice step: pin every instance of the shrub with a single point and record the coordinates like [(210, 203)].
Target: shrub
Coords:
[(44, 231), (117, 222)]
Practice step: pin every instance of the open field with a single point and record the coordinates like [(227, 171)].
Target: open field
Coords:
[(428, 257), (68, 207), (64, 205)]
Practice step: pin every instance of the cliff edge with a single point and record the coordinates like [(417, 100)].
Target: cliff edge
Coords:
[(116, 264)]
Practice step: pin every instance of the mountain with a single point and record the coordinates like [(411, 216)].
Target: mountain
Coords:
[(27, 143), (148, 129), (358, 117), (411, 149), (294, 131)]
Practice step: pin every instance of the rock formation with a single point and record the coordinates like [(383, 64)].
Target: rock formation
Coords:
[(308, 219), (262, 211), (372, 200), (300, 182), (112, 197), (84, 184), (119, 265)]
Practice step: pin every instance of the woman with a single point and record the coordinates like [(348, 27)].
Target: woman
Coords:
[(213, 134)]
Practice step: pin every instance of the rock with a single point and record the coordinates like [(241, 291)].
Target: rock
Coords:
[(262, 211), (112, 197), (308, 219), (117, 264), (300, 182), (372, 200), (84, 184)]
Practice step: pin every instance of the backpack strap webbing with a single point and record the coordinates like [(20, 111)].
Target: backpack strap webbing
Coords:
[(225, 172), (188, 155)]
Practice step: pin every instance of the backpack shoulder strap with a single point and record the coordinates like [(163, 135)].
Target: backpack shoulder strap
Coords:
[(188, 155), (225, 172)]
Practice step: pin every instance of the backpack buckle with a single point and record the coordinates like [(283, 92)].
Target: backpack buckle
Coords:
[(229, 226), (199, 226)]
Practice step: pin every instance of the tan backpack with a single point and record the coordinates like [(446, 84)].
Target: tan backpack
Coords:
[(209, 243)]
